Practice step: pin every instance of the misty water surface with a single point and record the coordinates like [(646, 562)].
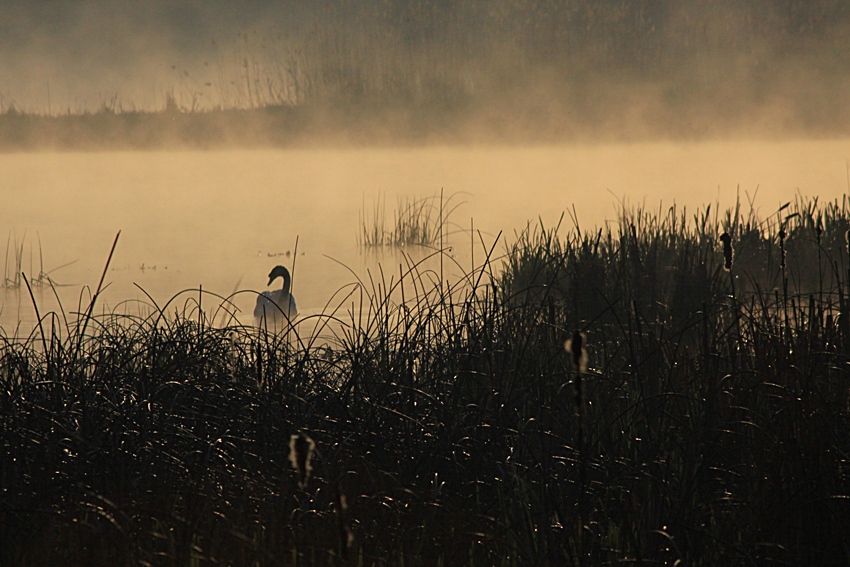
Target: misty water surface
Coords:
[(222, 220)]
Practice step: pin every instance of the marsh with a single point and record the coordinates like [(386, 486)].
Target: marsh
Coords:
[(220, 219)]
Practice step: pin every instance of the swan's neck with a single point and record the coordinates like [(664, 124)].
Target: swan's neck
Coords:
[(286, 284)]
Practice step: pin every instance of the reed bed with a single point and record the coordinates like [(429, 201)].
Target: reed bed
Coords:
[(447, 424), (422, 221), (14, 263)]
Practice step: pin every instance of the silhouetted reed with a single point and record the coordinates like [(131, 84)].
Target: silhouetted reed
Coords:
[(446, 426), (418, 222)]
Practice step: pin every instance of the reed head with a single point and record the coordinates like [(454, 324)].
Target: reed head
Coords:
[(301, 450), (727, 251)]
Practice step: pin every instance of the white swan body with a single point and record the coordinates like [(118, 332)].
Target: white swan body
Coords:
[(276, 308)]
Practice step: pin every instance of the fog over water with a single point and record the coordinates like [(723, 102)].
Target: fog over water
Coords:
[(311, 112), (221, 220), (507, 68)]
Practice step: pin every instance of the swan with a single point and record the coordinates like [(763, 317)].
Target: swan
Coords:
[(276, 307)]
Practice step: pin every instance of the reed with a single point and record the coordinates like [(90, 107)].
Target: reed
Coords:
[(14, 264), (423, 221), (443, 421)]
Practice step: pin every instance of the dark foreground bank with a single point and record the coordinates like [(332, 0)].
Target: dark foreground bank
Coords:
[(449, 424)]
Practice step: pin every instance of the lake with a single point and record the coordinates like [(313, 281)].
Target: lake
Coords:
[(223, 219)]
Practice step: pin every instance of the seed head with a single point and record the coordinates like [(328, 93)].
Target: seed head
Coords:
[(346, 538), (727, 250), (301, 449), (576, 347)]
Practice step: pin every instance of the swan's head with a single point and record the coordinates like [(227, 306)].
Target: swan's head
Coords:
[(278, 272)]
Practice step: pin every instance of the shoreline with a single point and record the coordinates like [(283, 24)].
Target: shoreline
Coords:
[(372, 125)]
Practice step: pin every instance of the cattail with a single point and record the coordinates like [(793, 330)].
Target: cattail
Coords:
[(727, 250), (576, 347), (301, 449), (346, 538), (782, 235)]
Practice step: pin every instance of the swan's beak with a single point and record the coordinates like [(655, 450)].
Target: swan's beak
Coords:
[(271, 279)]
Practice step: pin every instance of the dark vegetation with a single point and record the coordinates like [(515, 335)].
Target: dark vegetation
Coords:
[(422, 221), (450, 424), (541, 71)]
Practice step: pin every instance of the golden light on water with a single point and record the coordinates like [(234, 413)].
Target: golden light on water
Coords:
[(252, 125), (223, 219)]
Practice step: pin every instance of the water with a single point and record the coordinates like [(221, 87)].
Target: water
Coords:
[(223, 219)]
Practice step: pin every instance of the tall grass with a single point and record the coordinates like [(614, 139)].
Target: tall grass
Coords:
[(446, 419), (423, 221), (15, 262)]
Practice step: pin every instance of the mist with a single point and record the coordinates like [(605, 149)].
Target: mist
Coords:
[(572, 281), (436, 70)]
